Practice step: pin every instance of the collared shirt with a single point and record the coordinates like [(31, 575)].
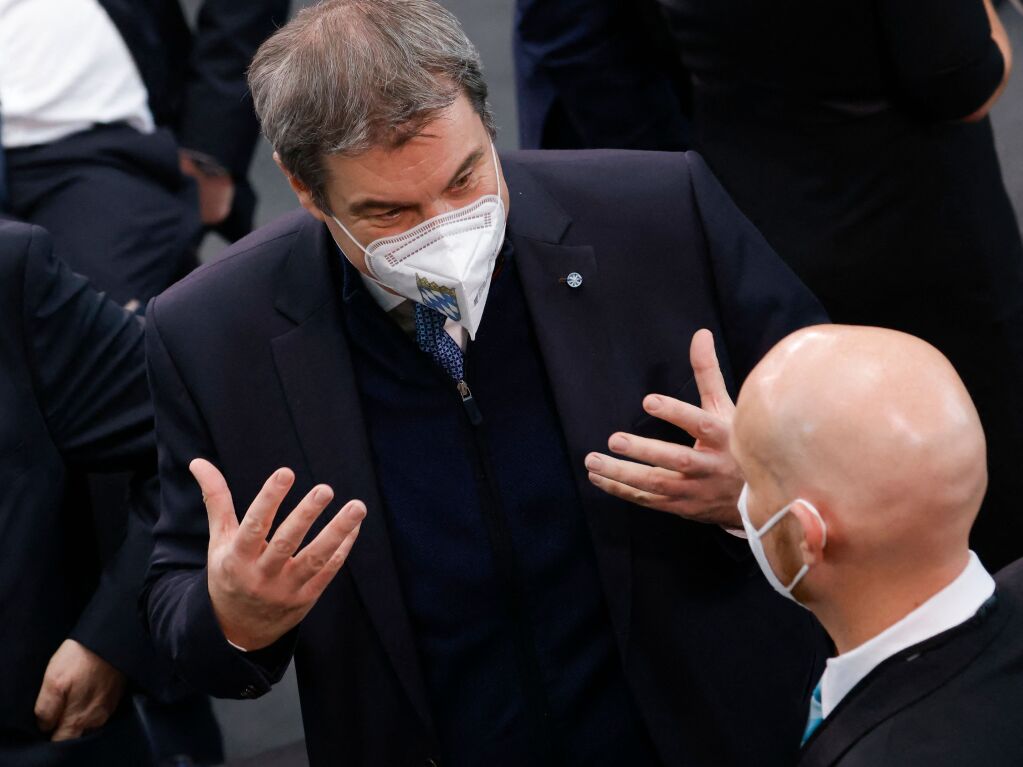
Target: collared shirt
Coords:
[(954, 604), (401, 310), (65, 69)]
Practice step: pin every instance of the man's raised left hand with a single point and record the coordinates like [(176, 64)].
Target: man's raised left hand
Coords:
[(702, 482)]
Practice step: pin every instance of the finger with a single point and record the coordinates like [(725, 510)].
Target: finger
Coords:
[(709, 428), (251, 538), (634, 495), (216, 497), (315, 585), (289, 535), (317, 554), (694, 464), (711, 384), (49, 706), (649, 479), (69, 728)]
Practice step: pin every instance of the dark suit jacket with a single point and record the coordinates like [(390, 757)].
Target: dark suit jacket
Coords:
[(73, 399), (250, 368), (598, 74), (196, 83), (950, 701)]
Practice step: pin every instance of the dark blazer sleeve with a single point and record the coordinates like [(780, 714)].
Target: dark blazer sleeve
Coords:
[(176, 596), (599, 56), (217, 115), (945, 61), (760, 299), (86, 357)]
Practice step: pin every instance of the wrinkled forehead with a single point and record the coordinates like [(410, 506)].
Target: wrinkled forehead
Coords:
[(422, 164)]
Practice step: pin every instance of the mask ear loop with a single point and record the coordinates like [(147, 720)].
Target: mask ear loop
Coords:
[(497, 169), (350, 235), (359, 246), (824, 536), (766, 528)]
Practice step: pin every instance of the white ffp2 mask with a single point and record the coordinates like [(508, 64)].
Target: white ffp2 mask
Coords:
[(757, 546), (446, 262)]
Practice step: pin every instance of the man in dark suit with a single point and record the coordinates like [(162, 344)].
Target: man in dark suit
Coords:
[(73, 399), (865, 463), (598, 74), (126, 134), (115, 114), (496, 607)]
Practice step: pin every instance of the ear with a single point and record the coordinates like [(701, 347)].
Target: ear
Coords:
[(302, 192), (814, 533)]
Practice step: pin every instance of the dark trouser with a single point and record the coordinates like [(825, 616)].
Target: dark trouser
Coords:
[(185, 726), (121, 741), (116, 203)]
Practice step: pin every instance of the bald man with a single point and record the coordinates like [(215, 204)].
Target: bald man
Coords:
[(865, 467)]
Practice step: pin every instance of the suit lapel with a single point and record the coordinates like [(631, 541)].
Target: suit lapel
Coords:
[(900, 682), (320, 392), (576, 351)]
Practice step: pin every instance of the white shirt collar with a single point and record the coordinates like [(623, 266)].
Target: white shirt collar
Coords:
[(385, 298), (954, 604), (388, 301)]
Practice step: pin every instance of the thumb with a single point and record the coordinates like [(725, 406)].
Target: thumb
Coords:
[(217, 498), (50, 703)]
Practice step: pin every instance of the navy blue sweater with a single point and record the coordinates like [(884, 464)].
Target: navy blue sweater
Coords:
[(492, 546)]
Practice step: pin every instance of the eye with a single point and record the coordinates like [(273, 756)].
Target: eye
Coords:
[(388, 215), (462, 182)]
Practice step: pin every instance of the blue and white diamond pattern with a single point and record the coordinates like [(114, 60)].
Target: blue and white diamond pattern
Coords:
[(440, 298)]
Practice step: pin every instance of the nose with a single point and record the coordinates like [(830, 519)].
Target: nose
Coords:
[(438, 208)]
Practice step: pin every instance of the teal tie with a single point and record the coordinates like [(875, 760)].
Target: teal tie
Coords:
[(816, 713)]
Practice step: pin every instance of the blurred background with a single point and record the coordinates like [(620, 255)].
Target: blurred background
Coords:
[(268, 731)]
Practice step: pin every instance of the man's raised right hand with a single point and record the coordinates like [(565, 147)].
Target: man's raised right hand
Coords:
[(262, 589)]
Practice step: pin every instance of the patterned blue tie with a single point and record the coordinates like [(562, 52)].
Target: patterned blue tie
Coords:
[(816, 713), (434, 340)]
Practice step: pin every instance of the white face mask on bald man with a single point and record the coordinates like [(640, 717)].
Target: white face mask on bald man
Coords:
[(446, 262), (757, 546)]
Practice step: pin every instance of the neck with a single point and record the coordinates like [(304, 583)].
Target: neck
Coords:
[(872, 602)]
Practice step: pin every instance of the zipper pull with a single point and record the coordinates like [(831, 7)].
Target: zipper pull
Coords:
[(469, 403)]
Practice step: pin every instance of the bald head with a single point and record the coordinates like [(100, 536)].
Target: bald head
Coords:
[(873, 424)]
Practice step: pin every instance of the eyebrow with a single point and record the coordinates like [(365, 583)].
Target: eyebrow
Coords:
[(364, 206), (468, 162)]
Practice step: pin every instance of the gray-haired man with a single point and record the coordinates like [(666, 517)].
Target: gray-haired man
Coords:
[(495, 607)]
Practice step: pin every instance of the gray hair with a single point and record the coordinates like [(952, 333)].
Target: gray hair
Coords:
[(347, 75)]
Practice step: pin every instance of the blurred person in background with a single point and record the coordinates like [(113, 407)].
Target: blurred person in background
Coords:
[(126, 133), (73, 399), (598, 74), (865, 467), (855, 136)]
